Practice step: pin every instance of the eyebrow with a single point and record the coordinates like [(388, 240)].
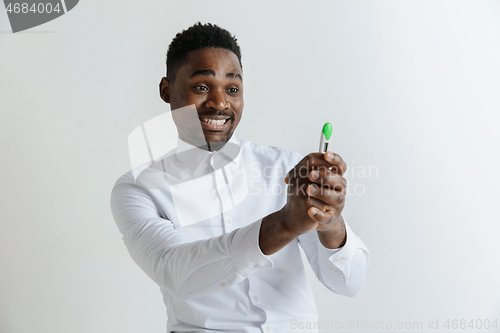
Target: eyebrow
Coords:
[(234, 75), (212, 73)]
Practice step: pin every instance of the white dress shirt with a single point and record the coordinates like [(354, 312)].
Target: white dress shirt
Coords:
[(191, 221)]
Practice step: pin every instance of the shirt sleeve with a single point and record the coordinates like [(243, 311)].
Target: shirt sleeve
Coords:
[(185, 270), (342, 270)]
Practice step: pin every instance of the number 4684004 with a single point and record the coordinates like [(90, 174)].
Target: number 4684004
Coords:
[(463, 324), (34, 8)]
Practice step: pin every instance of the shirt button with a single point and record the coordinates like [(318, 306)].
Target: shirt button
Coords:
[(338, 259), (268, 328), (222, 284), (350, 276), (256, 266), (229, 220), (256, 298), (221, 182)]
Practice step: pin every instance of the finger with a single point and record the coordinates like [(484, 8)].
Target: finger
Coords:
[(312, 161), (321, 212), (320, 216), (326, 178), (338, 164), (309, 162), (326, 195), (319, 204)]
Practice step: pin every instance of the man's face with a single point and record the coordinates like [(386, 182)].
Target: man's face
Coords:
[(211, 79)]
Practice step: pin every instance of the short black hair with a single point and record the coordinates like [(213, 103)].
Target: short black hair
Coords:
[(198, 36)]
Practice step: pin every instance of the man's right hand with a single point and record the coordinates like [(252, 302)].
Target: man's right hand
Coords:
[(305, 210), (316, 193)]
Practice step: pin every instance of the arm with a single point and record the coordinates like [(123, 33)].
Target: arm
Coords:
[(341, 270), (315, 200), (185, 270)]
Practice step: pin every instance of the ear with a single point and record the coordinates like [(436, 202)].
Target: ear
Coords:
[(165, 90)]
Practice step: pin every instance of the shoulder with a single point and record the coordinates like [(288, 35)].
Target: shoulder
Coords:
[(128, 182), (123, 186), (145, 171), (126, 178)]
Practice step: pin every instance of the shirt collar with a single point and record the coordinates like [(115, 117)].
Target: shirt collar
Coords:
[(192, 156)]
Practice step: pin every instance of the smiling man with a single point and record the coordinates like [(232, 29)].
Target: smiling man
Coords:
[(217, 231), (210, 79)]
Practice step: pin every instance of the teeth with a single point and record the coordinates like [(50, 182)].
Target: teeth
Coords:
[(213, 121)]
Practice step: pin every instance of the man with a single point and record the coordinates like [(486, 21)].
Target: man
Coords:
[(206, 222)]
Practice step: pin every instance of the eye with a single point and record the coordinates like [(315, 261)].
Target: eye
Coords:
[(201, 88), (233, 90)]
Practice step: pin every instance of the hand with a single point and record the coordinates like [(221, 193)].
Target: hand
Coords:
[(316, 193)]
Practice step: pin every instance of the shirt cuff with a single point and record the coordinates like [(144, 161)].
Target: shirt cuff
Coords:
[(245, 251), (342, 256)]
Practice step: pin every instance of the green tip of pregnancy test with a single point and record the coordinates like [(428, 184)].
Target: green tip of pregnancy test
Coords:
[(327, 131)]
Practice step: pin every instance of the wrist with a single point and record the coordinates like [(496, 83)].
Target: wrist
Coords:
[(283, 221), (274, 234), (336, 236)]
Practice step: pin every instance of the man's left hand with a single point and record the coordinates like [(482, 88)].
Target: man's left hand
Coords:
[(326, 190)]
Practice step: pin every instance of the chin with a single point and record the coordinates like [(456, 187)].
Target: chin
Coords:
[(215, 144)]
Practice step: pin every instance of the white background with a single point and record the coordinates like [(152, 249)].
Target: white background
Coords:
[(411, 87)]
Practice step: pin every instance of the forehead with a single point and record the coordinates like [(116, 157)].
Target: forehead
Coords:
[(220, 61)]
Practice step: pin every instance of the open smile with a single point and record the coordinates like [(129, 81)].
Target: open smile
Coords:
[(214, 124)]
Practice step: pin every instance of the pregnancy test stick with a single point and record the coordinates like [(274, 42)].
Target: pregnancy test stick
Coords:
[(326, 135)]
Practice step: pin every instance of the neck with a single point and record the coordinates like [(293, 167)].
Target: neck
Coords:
[(213, 146), (207, 145)]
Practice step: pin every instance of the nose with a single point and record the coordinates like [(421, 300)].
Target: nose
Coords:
[(217, 100)]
